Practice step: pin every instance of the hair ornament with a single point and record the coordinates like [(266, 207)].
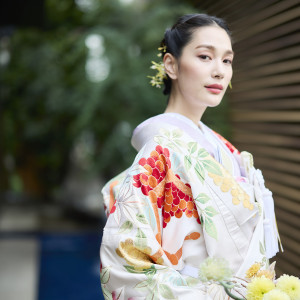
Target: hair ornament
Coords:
[(158, 79), (163, 49)]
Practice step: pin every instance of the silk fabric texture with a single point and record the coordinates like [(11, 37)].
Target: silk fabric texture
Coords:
[(188, 195)]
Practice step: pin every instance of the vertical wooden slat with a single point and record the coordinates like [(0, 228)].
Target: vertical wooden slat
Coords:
[(265, 103)]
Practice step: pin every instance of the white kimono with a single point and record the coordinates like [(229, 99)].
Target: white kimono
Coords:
[(188, 195)]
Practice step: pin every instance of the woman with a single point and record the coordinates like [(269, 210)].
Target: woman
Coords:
[(189, 194)]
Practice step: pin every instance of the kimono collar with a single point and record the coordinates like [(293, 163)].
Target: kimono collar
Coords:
[(151, 127)]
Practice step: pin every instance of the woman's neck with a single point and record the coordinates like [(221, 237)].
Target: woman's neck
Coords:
[(182, 108)]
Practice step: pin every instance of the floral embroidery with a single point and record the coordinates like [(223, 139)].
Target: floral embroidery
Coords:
[(157, 166), (135, 257), (140, 258), (165, 188), (154, 192), (174, 258), (178, 203), (226, 183)]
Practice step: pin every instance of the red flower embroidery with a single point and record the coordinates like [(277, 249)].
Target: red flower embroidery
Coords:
[(164, 187), (157, 166)]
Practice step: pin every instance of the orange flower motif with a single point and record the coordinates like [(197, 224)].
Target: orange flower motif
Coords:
[(174, 258), (164, 188)]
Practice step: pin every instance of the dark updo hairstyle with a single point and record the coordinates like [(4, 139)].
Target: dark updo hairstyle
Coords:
[(180, 34)]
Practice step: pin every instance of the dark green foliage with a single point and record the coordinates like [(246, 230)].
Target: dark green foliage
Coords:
[(48, 104)]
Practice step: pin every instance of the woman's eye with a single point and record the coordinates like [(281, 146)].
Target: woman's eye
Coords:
[(228, 61), (204, 57)]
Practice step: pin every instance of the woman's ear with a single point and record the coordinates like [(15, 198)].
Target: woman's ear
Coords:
[(170, 63)]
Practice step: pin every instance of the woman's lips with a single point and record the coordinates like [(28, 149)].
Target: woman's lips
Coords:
[(214, 88)]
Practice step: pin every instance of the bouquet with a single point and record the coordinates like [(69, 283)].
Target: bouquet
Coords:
[(259, 284)]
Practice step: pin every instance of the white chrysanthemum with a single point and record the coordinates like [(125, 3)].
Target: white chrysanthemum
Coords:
[(290, 285), (276, 294), (215, 269)]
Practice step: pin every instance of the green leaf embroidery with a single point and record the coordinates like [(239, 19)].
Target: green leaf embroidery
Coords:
[(202, 153), (177, 133), (191, 281), (187, 162), (141, 218), (210, 211), (179, 143), (172, 146), (140, 234), (131, 269), (199, 172), (159, 140), (212, 167), (106, 293), (210, 228), (165, 132), (192, 146), (140, 240), (165, 291), (261, 248), (202, 198), (153, 295), (226, 161), (105, 275), (126, 227), (150, 272), (143, 285)]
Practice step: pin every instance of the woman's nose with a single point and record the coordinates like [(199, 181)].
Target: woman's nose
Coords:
[(218, 71)]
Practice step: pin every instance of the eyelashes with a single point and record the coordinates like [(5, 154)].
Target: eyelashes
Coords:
[(207, 58), (204, 57), (228, 61)]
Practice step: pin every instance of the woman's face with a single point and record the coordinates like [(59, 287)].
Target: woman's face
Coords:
[(204, 69)]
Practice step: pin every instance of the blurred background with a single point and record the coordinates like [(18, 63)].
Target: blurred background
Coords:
[(73, 86)]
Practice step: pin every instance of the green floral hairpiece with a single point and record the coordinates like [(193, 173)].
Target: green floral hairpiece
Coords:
[(158, 79)]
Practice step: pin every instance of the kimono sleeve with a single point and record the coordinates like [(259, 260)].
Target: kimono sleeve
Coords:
[(135, 263)]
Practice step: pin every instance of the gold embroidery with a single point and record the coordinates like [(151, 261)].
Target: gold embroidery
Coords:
[(135, 257), (227, 183)]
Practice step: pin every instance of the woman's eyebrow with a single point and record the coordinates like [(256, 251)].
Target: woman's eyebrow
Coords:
[(210, 47)]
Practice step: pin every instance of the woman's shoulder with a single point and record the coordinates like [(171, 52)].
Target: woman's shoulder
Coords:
[(149, 129)]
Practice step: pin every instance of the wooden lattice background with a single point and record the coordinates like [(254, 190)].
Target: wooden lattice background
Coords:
[(265, 103)]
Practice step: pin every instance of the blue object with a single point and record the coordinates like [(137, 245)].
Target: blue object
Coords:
[(70, 267)]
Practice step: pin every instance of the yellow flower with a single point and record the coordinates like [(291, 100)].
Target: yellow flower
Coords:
[(214, 269), (276, 294), (289, 285), (252, 271), (258, 287)]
